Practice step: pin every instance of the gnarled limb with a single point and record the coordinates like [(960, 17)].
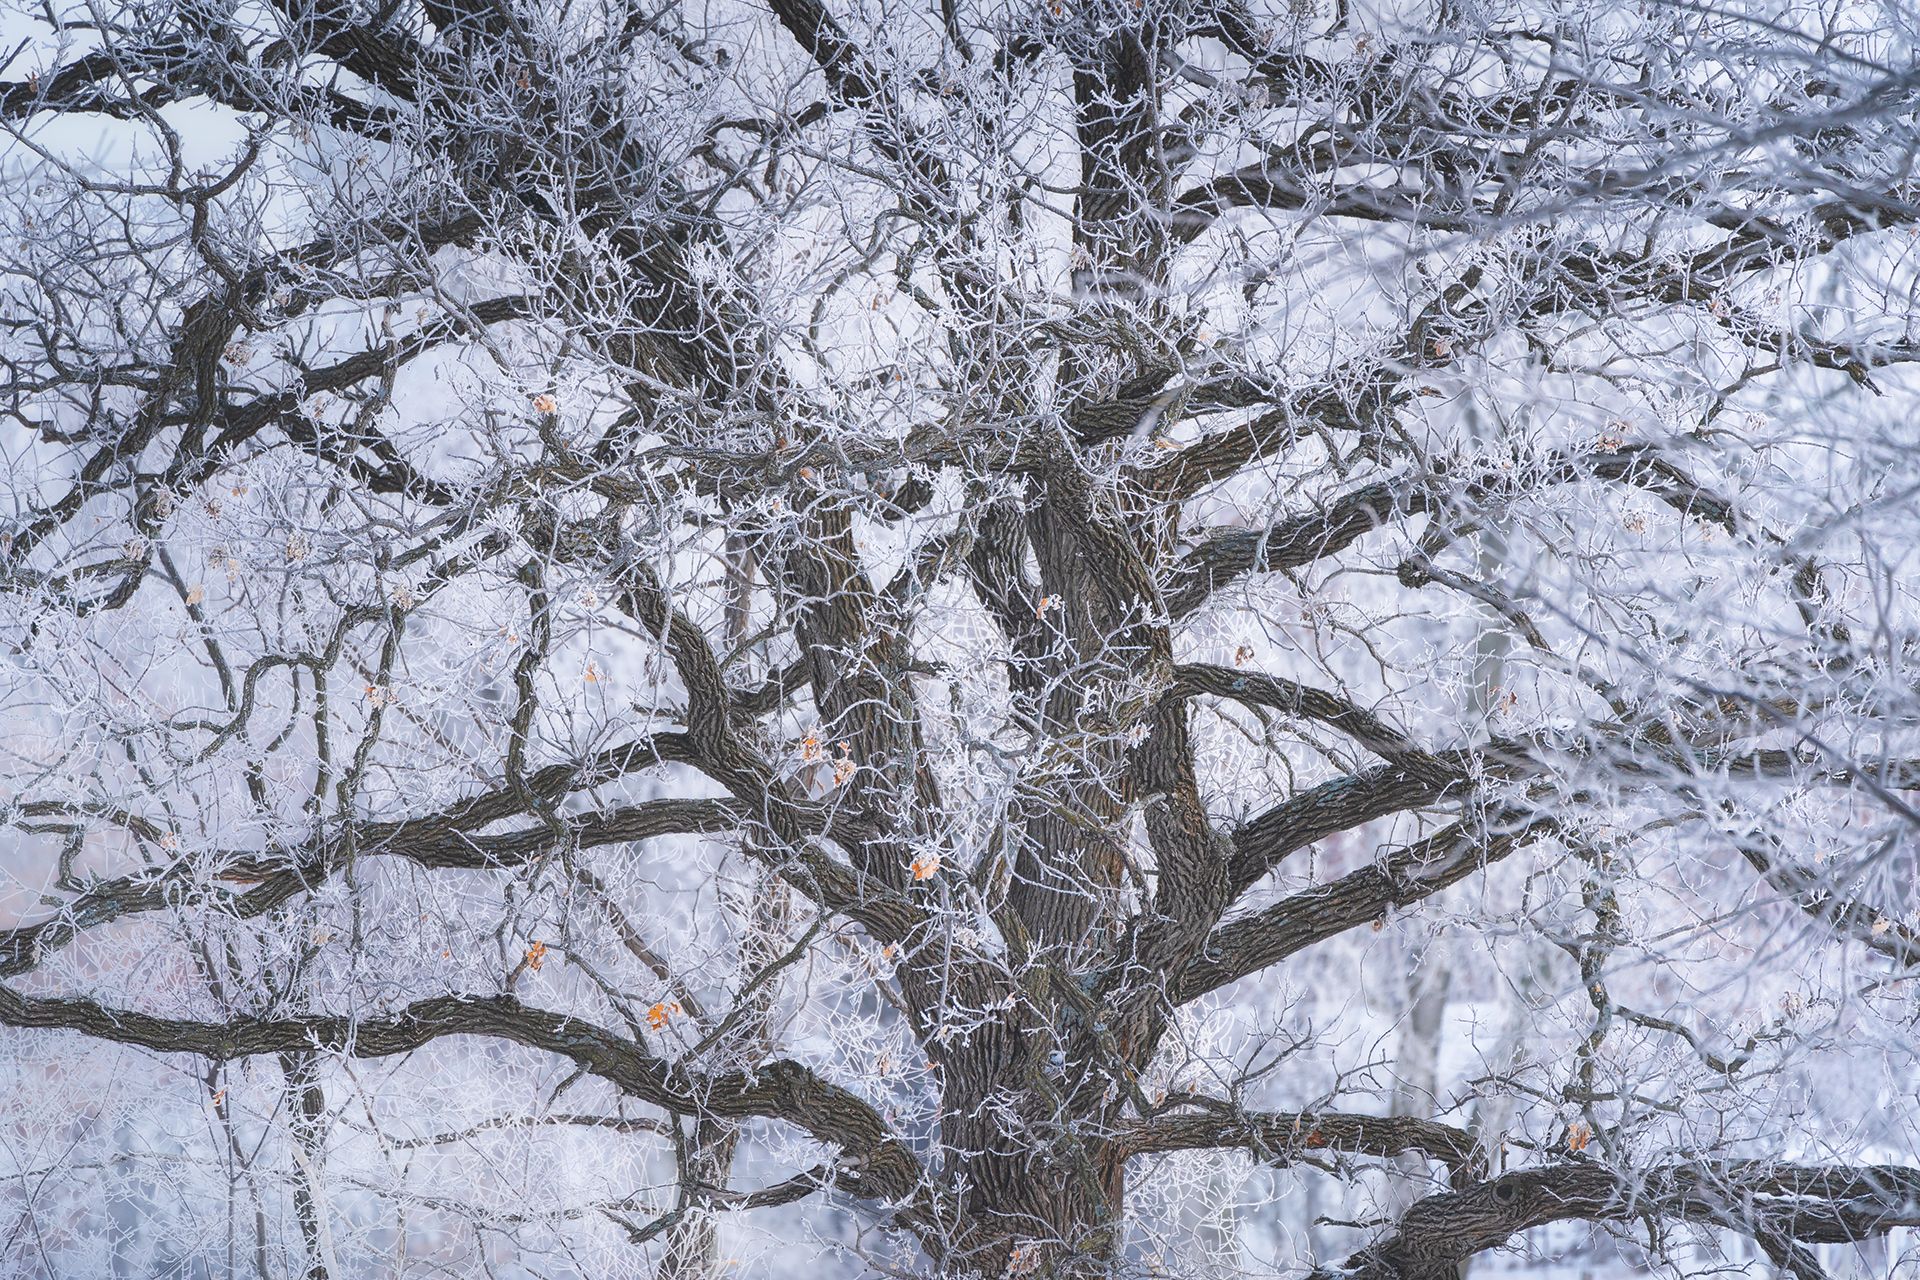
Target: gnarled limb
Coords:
[(875, 1164), (1783, 1206), (1281, 1137), (1246, 944)]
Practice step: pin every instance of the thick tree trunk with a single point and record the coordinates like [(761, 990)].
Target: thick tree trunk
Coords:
[(1039, 1197), (1034, 1216)]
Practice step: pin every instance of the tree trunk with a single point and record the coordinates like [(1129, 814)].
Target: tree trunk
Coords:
[(302, 1072), (1032, 1216), (1039, 1199), (693, 1242), (1417, 1063)]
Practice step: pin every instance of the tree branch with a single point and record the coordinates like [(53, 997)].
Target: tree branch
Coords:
[(1778, 1204), (1248, 943), (1284, 1137), (874, 1163)]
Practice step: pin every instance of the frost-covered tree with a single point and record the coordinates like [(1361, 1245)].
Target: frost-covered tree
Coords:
[(1081, 638)]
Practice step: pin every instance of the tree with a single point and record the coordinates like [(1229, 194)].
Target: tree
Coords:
[(880, 604)]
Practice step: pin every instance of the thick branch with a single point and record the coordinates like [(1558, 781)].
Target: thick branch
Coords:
[(1264, 842), (1775, 1204), (874, 1163), (1290, 542), (432, 842), (1283, 1137), (1246, 944), (1289, 697)]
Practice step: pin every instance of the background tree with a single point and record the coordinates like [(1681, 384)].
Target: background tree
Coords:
[(898, 621)]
